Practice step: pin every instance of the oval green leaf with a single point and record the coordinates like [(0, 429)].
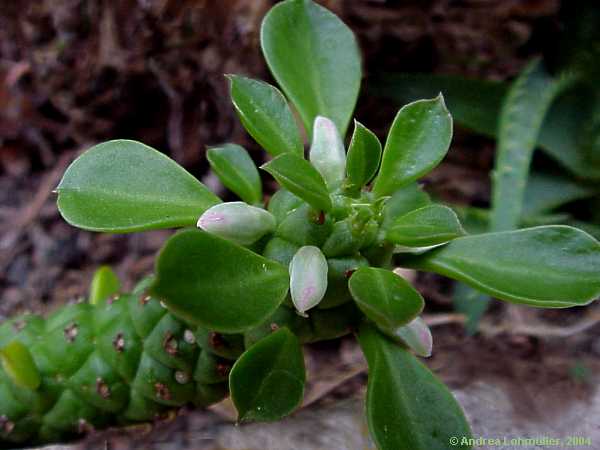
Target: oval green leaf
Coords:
[(237, 171), (364, 155), (217, 284), (314, 57), (299, 177), (19, 365), (403, 201), (267, 381), (385, 298), (550, 266), (430, 225), (123, 186), (408, 407), (417, 141), (266, 115), (104, 284)]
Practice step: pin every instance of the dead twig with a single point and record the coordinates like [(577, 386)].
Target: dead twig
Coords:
[(540, 329), (27, 214)]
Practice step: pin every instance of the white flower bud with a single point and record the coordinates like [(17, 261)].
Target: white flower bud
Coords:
[(327, 153), (417, 336), (237, 222), (308, 278)]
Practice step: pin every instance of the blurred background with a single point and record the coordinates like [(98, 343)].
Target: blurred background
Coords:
[(77, 72)]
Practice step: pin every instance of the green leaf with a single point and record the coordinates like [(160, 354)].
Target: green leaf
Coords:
[(364, 155), (550, 266), (403, 201), (385, 298), (123, 186), (521, 117), (314, 57), (104, 284), (282, 203), (219, 285), (470, 302), (473, 103), (430, 225), (19, 365), (408, 407), (267, 381), (237, 171), (418, 140), (476, 104), (265, 113), (299, 177)]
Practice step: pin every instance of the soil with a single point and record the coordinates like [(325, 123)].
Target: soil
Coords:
[(77, 72)]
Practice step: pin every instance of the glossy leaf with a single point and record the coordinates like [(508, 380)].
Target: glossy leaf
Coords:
[(476, 104), (122, 186), (403, 201), (408, 407), (104, 284), (364, 155), (237, 222), (314, 57), (473, 103), (236, 170), (265, 113), (327, 152), (521, 118), (282, 203), (299, 177), (385, 298), (416, 336), (19, 365), (267, 381), (430, 225), (212, 282), (417, 141), (549, 266), (308, 278)]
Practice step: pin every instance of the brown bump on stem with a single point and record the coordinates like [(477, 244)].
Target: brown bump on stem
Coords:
[(84, 427), (71, 332), (215, 340), (223, 369), (182, 377), (19, 325), (274, 327), (162, 391), (188, 336), (119, 342), (348, 273), (144, 299), (170, 343), (320, 218), (102, 388)]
